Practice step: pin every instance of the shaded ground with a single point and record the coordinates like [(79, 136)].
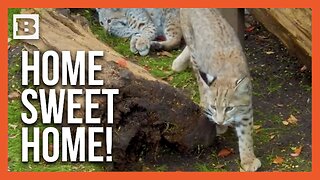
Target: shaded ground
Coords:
[(280, 90)]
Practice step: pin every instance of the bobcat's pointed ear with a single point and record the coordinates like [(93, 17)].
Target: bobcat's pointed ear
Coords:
[(207, 78), (243, 84), (240, 80)]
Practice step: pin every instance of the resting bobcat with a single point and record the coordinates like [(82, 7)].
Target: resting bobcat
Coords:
[(223, 77), (143, 26)]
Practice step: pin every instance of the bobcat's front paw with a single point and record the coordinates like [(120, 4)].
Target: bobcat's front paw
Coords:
[(250, 166), (140, 44)]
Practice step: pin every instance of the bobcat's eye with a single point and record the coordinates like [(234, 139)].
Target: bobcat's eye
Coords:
[(229, 109), (109, 21)]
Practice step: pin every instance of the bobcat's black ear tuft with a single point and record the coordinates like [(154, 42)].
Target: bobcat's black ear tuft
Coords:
[(207, 78)]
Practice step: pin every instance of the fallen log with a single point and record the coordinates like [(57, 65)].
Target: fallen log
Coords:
[(292, 26), (147, 111)]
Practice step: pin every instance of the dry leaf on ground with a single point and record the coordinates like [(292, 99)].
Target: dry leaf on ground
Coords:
[(164, 53), (225, 152), (296, 152), (292, 120), (250, 29), (304, 68), (256, 127), (278, 160), (269, 52), (122, 63), (14, 95), (272, 137), (286, 123)]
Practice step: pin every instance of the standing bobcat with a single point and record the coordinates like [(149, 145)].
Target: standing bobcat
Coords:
[(218, 61), (143, 26)]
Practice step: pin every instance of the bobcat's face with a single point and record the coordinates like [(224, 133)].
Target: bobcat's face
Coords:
[(112, 18), (227, 99)]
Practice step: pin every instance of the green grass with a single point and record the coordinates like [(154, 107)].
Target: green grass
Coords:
[(14, 146), (11, 11), (205, 167), (161, 168), (273, 87)]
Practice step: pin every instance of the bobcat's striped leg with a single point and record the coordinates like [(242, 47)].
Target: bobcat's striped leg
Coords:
[(244, 129)]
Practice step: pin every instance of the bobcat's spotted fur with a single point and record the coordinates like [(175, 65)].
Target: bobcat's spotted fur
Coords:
[(143, 26), (217, 58)]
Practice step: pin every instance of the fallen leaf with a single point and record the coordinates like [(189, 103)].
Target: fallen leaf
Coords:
[(272, 137), (280, 105), (224, 152), (13, 136), (269, 52), (262, 37), (146, 68), (170, 78), (256, 127), (14, 95), (292, 120), (250, 29), (304, 68), (145, 168), (278, 160), (165, 53), (297, 152), (219, 166), (122, 63), (13, 126), (285, 123)]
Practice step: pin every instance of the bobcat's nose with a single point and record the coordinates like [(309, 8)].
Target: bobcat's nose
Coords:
[(220, 122)]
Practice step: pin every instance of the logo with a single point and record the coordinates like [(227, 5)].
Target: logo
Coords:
[(25, 26)]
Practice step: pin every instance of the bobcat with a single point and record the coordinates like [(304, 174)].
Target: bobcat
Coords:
[(219, 63), (143, 26)]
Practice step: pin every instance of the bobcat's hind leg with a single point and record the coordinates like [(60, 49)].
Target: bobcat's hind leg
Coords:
[(182, 61), (172, 31)]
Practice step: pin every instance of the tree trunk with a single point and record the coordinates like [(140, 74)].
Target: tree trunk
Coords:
[(147, 112), (292, 26)]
